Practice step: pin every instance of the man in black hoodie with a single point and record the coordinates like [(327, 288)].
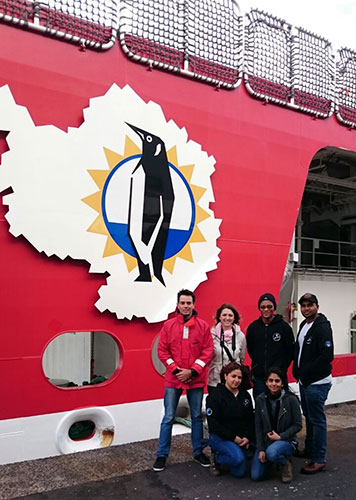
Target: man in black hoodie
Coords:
[(314, 353), (270, 342)]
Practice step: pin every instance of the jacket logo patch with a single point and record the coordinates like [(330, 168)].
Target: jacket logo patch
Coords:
[(209, 412), (309, 341), (276, 337), (327, 343), (246, 402)]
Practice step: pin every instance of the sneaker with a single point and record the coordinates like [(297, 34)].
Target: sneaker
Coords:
[(214, 466), (287, 472), (202, 460), (159, 464)]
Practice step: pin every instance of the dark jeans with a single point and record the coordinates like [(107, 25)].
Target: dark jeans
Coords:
[(276, 453), (171, 399), (259, 385), (229, 453), (313, 399)]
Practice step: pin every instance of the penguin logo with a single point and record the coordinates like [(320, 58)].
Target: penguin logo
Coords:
[(149, 207), (138, 208), (151, 183), (276, 337)]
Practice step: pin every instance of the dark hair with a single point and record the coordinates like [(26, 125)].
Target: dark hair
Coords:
[(281, 374), (184, 291), (245, 372), (227, 306)]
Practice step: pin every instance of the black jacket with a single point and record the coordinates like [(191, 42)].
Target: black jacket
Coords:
[(317, 352), (288, 424), (230, 416), (269, 345)]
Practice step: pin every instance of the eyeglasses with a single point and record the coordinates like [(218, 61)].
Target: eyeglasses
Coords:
[(266, 307)]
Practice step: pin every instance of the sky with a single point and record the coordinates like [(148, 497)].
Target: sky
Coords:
[(334, 20)]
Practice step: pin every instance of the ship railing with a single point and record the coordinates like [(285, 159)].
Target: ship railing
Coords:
[(90, 23), (203, 40), (209, 40), (317, 253)]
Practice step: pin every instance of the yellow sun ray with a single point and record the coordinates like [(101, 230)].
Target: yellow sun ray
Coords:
[(99, 177), (131, 262), (187, 171), (201, 214), (186, 253), (98, 226), (172, 155), (111, 248), (112, 158), (131, 148), (197, 191), (197, 236), (169, 264), (94, 201)]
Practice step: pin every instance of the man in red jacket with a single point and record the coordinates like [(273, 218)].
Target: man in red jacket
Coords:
[(185, 348)]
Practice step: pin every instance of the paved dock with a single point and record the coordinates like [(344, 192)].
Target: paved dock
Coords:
[(124, 473)]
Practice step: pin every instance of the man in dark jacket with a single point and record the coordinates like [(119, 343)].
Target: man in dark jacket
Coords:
[(270, 342), (314, 353)]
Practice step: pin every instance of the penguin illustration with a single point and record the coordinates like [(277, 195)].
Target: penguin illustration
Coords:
[(150, 206)]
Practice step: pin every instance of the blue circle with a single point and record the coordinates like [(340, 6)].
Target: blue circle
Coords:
[(176, 239)]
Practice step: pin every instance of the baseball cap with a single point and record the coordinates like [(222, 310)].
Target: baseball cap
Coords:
[(308, 297)]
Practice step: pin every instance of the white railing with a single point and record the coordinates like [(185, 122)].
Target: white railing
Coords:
[(210, 40)]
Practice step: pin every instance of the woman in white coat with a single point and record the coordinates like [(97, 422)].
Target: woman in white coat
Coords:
[(229, 343)]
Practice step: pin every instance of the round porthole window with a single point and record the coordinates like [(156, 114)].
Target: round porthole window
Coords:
[(77, 359)]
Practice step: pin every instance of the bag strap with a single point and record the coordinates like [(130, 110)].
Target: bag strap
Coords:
[(224, 346)]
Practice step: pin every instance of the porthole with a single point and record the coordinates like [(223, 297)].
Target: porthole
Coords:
[(159, 366), (76, 359)]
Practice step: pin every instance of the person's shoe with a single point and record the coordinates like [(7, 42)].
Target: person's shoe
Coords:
[(214, 466), (202, 460), (159, 464), (287, 472), (313, 468)]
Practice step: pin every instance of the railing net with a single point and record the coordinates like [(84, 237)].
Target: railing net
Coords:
[(202, 39), (346, 87), (154, 33), (288, 65), (268, 56), (313, 71), (91, 21)]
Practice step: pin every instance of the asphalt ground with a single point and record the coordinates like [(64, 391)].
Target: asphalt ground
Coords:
[(124, 473)]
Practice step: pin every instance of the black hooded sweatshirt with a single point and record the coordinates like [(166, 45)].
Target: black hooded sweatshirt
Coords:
[(270, 345), (317, 352)]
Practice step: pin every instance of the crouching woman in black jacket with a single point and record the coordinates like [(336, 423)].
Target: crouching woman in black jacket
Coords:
[(277, 418), (231, 421)]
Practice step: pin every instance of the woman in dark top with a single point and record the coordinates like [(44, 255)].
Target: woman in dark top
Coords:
[(277, 418), (230, 419)]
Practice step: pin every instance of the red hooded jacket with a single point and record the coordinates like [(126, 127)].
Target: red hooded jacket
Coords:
[(185, 345)]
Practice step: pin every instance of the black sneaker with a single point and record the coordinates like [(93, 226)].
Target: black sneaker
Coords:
[(202, 460), (159, 464)]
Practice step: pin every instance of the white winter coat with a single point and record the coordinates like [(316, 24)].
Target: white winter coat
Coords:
[(220, 358)]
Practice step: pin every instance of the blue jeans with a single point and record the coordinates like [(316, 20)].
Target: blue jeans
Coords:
[(229, 453), (276, 453), (313, 399), (259, 385), (171, 398)]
